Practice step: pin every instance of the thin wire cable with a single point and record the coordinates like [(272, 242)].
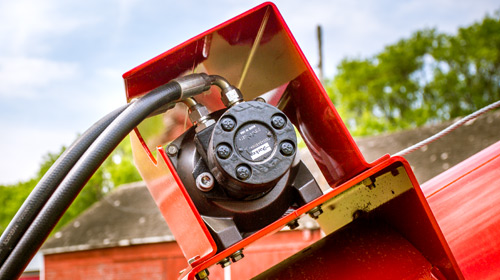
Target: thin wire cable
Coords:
[(449, 129)]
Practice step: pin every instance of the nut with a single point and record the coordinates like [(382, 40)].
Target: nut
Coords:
[(315, 212), (202, 275), (225, 262), (231, 97), (238, 255), (197, 112)]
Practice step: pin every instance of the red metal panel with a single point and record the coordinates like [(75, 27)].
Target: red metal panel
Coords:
[(279, 69), (465, 201), (361, 250), (174, 203)]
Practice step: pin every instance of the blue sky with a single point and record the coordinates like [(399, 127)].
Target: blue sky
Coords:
[(61, 61)]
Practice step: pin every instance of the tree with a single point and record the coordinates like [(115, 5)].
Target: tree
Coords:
[(116, 170), (428, 77)]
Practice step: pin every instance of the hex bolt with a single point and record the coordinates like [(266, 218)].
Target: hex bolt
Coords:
[(315, 212), (205, 182), (202, 275), (238, 255), (224, 151), (225, 262), (287, 149), (278, 121), (293, 224), (172, 150), (243, 172), (227, 123)]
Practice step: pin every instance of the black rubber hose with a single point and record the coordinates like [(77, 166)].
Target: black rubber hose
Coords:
[(49, 182), (81, 173)]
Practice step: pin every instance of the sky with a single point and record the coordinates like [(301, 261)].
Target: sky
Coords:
[(61, 61)]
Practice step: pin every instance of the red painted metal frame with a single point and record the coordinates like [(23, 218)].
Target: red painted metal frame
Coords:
[(464, 200), (279, 69)]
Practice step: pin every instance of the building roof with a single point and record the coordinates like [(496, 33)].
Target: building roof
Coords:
[(129, 216), (440, 155), (126, 216)]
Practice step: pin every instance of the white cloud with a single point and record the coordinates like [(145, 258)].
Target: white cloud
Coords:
[(24, 76), (26, 25)]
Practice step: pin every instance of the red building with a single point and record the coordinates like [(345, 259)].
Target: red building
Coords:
[(124, 236)]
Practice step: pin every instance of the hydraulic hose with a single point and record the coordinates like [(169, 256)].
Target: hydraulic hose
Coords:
[(93, 157), (90, 161), (49, 183)]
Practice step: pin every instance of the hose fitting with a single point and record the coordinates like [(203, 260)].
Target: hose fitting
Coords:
[(230, 95), (193, 84)]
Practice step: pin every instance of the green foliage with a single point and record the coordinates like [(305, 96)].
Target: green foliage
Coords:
[(116, 170), (426, 78)]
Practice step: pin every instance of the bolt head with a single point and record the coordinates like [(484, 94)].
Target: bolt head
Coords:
[(287, 149), (224, 151), (243, 172), (227, 123), (172, 150), (205, 181), (278, 121)]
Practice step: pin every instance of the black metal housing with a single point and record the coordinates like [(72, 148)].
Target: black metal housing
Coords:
[(235, 208)]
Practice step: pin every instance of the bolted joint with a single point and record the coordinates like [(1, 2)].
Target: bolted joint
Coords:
[(225, 262), (202, 275), (293, 224), (193, 84), (238, 255), (315, 212)]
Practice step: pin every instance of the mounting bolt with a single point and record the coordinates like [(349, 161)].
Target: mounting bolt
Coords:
[(227, 123), (202, 275), (205, 182), (278, 122), (172, 150), (260, 99), (287, 148), (243, 172), (224, 151), (293, 224), (315, 212), (225, 262), (238, 255)]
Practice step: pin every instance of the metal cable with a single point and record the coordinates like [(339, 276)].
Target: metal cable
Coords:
[(449, 129)]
